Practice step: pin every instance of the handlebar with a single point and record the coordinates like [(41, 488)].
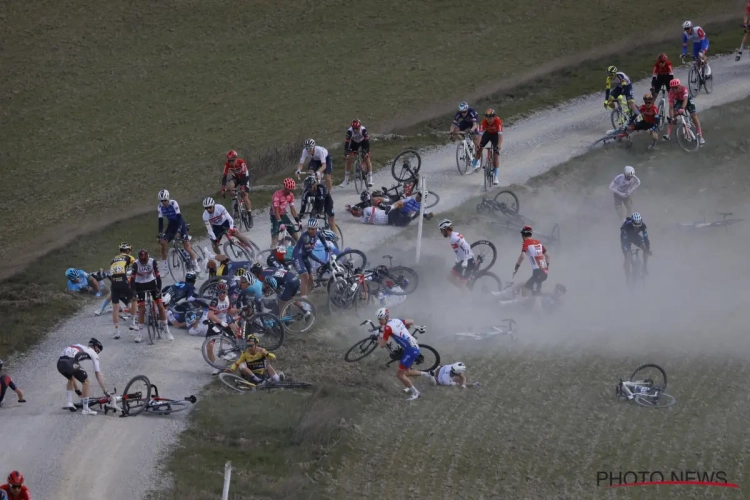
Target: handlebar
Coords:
[(373, 328)]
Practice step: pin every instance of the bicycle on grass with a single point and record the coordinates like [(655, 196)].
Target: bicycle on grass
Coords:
[(298, 315), (465, 152), (239, 210), (724, 222), (428, 358), (241, 384), (697, 78), (179, 258), (140, 395), (226, 347), (505, 202), (647, 386), (687, 137)]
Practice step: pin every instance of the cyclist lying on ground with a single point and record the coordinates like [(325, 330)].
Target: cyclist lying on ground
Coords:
[(7, 382), (380, 213), (452, 375), (254, 365), (82, 282), (194, 323), (633, 232), (550, 301)]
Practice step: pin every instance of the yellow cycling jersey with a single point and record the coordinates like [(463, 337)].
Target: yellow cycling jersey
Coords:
[(118, 268), (255, 362)]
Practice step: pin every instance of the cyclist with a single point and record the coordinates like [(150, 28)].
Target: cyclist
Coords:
[(451, 375), (238, 168), (120, 269), (622, 186), (176, 225), (218, 222), (194, 322), (69, 366), (303, 253), (254, 365), (7, 382), (633, 232), (696, 35), (219, 312), (285, 284), (681, 102), (357, 137), (745, 20), (492, 132), (380, 213), (622, 87), (398, 330), (539, 259), (320, 161), (14, 489), (147, 279), (182, 290), (250, 291), (319, 200), (662, 75), (647, 119), (81, 281), (465, 263), (467, 119), (280, 200)]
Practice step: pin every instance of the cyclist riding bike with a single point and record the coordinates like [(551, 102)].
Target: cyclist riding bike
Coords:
[(465, 263), (320, 161), (634, 232), (7, 383), (176, 225), (82, 282), (466, 121), (681, 102), (14, 489), (450, 375), (696, 35), (492, 132), (147, 279), (120, 270), (69, 366), (356, 138), (316, 201), (218, 222), (537, 255), (280, 200), (663, 74), (303, 254), (622, 87), (622, 186), (398, 331), (746, 37), (238, 169), (254, 363)]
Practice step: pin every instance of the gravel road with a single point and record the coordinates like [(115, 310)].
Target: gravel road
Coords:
[(64, 455)]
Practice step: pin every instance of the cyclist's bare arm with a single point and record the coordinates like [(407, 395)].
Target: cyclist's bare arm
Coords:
[(100, 379), (293, 210), (213, 317), (408, 323)]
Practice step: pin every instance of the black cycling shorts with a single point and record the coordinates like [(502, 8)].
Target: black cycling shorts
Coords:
[(463, 272), (396, 218), (491, 138), (69, 368), (644, 125), (365, 145), (242, 181), (150, 287), (626, 90), (660, 81), (535, 282), (326, 206), (121, 292)]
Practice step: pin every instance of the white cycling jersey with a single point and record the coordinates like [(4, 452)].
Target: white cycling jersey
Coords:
[(79, 352), (462, 249), (444, 375), (624, 187), (374, 215), (220, 307), (217, 218), (320, 153), (357, 135), (145, 273), (535, 252), (200, 328)]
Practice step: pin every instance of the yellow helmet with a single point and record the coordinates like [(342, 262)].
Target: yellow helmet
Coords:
[(240, 272), (612, 70)]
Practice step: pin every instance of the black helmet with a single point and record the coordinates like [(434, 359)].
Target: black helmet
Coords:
[(95, 343), (191, 277), (364, 196), (271, 260), (377, 194), (257, 268), (560, 288)]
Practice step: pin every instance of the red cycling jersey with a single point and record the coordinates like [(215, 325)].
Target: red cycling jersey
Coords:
[(747, 8), (493, 127), (239, 169), (663, 68), (24, 494), (649, 113)]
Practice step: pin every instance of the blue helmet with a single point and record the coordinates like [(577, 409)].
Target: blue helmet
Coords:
[(329, 235), (71, 274), (190, 317), (463, 107), (271, 281), (637, 219)]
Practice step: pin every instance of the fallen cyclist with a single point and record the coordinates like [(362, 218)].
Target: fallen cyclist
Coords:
[(253, 363), (512, 296), (83, 282), (381, 213), (7, 383), (450, 375)]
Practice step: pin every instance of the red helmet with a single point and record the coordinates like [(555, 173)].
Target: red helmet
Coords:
[(222, 287), (356, 123), (675, 82), (289, 183), (232, 155), (143, 255), (663, 57), (15, 478), (526, 231)]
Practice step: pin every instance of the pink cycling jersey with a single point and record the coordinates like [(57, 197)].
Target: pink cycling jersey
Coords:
[(679, 94), (281, 200)]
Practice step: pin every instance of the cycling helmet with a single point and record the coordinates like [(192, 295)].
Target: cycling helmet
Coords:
[(95, 343), (490, 113), (312, 223), (445, 224), (251, 279), (124, 247), (222, 287), (629, 171), (15, 478), (560, 288), (190, 317), (637, 219), (663, 57), (163, 195), (612, 70), (356, 123), (364, 197), (71, 274), (271, 281), (208, 202), (191, 277), (271, 260), (463, 107), (687, 25), (329, 235), (356, 211), (310, 181), (526, 231), (143, 255), (240, 272), (256, 268), (458, 368), (232, 155), (310, 144), (647, 97), (383, 313), (674, 83), (289, 184), (252, 338)]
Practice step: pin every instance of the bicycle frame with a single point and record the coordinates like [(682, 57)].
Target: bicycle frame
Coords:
[(632, 389)]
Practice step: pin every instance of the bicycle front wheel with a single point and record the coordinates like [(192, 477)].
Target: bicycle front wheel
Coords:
[(708, 83), (431, 199), (340, 296), (485, 255), (617, 117), (405, 278), (652, 375), (235, 252), (686, 137), (507, 203), (220, 351), (136, 395), (352, 259), (361, 349), (175, 262), (268, 328), (657, 400), (694, 83), (298, 316), (359, 182), (485, 282), (462, 162), (428, 358), (236, 383), (166, 406), (406, 166)]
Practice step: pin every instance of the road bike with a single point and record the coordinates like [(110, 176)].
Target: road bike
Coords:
[(239, 383), (140, 396), (465, 151), (428, 358), (697, 78), (406, 166), (479, 278), (662, 107), (504, 203), (647, 386), (637, 275), (359, 171), (621, 113), (152, 319), (488, 165), (620, 135), (298, 316), (724, 222), (237, 250), (506, 330), (239, 210), (179, 258), (405, 189), (685, 132), (223, 347)]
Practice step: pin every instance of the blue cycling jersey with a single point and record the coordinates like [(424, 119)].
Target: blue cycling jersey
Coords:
[(630, 233), (81, 284), (411, 206), (252, 293), (305, 247), (183, 290), (466, 121)]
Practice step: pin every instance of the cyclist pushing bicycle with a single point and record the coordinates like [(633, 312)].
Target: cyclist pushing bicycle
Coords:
[(633, 232), (254, 363)]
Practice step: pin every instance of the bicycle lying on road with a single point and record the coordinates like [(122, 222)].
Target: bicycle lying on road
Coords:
[(724, 222), (504, 203), (428, 358), (507, 330), (405, 189), (646, 387)]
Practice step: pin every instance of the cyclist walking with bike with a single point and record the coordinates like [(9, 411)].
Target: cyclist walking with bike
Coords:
[(633, 232), (492, 132), (465, 263), (176, 225), (356, 138), (147, 279), (238, 169)]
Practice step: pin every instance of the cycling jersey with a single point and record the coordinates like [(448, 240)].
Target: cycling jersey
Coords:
[(492, 127), (462, 249), (356, 135), (305, 246), (120, 266), (238, 169), (171, 211), (255, 362), (199, 327), (679, 94), (317, 198), (219, 217), (146, 272), (183, 290), (220, 307), (374, 215), (697, 36), (397, 330), (466, 121), (320, 154), (623, 186), (630, 233), (80, 352), (281, 199), (23, 494), (650, 113), (251, 295), (663, 69), (81, 283), (535, 252), (619, 81), (444, 376), (6, 383)]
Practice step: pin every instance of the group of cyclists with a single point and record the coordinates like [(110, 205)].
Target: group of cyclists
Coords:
[(488, 131)]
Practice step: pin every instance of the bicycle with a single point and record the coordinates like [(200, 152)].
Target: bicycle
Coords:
[(637, 273), (488, 164), (505, 202), (648, 391), (663, 108), (480, 274), (140, 395), (240, 384), (403, 164), (238, 250), (359, 172), (152, 319), (372, 287), (508, 330), (620, 114), (239, 210), (298, 316), (179, 258), (687, 137), (365, 347), (697, 76), (620, 135), (396, 193), (465, 152), (339, 241), (226, 347), (724, 222)]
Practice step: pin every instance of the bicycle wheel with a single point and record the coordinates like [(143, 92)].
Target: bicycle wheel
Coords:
[(485, 282), (136, 395), (604, 140), (406, 166), (268, 328), (431, 199), (554, 238), (199, 252), (361, 349), (617, 117), (359, 182), (462, 162), (405, 278), (340, 242), (298, 316), (482, 250), (652, 375), (339, 296), (657, 400), (174, 260), (153, 325), (686, 137), (694, 84), (708, 83), (220, 351), (166, 406), (428, 358), (365, 300), (235, 252), (262, 256), (352, 259), (726, 222), (487, 173), (271, 385), (507, 203), (236, 383), (208, 288), (662, 115)]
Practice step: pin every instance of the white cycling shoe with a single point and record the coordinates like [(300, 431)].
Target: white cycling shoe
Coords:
[(138, 338), (88, 411), (70, 406), (414, 395), (117, 334)]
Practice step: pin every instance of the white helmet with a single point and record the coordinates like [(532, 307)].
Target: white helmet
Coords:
[(463, 107), (629, 171), (687, 25), (445, 224), (312, 223), (637, 219), (383, 313), (458, 368), (208, 202), (310, 143), (163, 195)]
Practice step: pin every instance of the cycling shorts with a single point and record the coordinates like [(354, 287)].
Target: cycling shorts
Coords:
[(285, 219), (69, 368), (464, 126), (365, 145), (632, 240), (242, 181), (302, 265), (219, 231), (316, 164), (626, 90), (690, 108), (121, 292), (620, 201), (491, 138), (326, 206), (464, 272), (660, 81), (290, 288), (407, 359), (396, 218), (699, 47), (535, 282), (150, 287), (644, 125), (175, 227)]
